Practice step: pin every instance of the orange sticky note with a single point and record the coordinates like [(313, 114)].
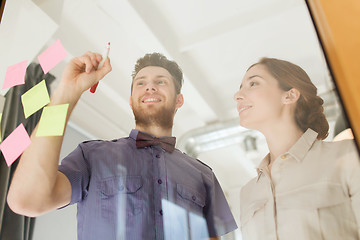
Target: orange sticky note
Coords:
[(52, 56), (15, 75), (15, 144)]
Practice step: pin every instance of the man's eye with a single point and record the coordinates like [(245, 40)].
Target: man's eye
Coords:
[(161, 82), (140, 83)]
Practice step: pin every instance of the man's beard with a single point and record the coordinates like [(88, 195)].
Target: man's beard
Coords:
[(162, 117)]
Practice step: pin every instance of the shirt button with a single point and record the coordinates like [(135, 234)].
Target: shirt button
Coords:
[(158, 155), (161, 212), (159, 181), (283, 156), (193, 198)]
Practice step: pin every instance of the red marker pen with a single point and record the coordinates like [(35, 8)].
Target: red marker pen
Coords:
[(104, 57)]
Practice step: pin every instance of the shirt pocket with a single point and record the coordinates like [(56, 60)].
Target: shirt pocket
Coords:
[(322, 210), (190, 199), (120, 195), (252, 219), (337, 219)]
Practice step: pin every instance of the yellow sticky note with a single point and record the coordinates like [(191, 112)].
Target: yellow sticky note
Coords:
[(35, 98), (52, 121)]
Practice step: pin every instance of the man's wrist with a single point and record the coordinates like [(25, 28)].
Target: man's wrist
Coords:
[(65, 94)]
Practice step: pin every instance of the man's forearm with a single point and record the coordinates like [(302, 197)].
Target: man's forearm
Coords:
[(32, 186)]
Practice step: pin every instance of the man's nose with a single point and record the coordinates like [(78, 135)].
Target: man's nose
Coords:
[(151, 88)]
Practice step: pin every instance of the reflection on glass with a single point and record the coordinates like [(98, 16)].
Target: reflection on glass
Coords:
[(181, 224), (238, 36), (342, 130), (198, 227)]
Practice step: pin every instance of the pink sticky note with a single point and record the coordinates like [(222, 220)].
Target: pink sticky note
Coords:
[(52, 56), (15, 144), (15, 74)]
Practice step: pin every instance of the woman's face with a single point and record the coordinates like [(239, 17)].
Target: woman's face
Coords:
[(259, 99)]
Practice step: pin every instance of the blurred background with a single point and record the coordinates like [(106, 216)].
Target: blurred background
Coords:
[(214, 42)]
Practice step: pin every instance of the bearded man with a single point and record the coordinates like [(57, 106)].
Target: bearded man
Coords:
[(138, 187)]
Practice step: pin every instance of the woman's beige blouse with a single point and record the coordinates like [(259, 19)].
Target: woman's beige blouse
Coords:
[(313, 193)]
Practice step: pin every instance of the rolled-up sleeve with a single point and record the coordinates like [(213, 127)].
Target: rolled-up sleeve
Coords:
[(219, 217), (76, 169)]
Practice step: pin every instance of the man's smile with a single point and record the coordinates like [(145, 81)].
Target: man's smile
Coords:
[(151, 99)]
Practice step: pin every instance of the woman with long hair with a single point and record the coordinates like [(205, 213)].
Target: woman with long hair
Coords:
[(305, 188)]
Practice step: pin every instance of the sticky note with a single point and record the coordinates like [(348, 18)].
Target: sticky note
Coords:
[(52, 56), (52, 121), (15, 144), (2, 102), (15, 75), (35, 98)]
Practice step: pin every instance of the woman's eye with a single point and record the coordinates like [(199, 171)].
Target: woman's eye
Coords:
[(252, 84), (140, 83), (161, 82)]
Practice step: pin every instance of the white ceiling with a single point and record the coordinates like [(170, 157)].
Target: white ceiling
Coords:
[(213, 41)]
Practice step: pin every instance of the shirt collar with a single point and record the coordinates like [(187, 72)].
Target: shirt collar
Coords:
[(303, 145), (263, 164), (133, 134), (298, 150)]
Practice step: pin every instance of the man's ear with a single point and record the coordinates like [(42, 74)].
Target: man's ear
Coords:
[(291, 96), (179, 100), (130, 103)]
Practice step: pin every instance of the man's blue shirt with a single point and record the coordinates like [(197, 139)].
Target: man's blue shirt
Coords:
[(124, 192)]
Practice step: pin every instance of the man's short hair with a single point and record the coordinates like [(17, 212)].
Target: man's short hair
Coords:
[(159, 60)]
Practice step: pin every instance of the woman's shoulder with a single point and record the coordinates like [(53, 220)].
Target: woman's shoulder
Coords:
[(338, 146), (339, 152)]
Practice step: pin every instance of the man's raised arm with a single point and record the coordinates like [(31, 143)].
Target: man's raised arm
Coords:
[(37, 186)]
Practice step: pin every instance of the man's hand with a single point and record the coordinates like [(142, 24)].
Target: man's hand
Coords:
[(81, 73)]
